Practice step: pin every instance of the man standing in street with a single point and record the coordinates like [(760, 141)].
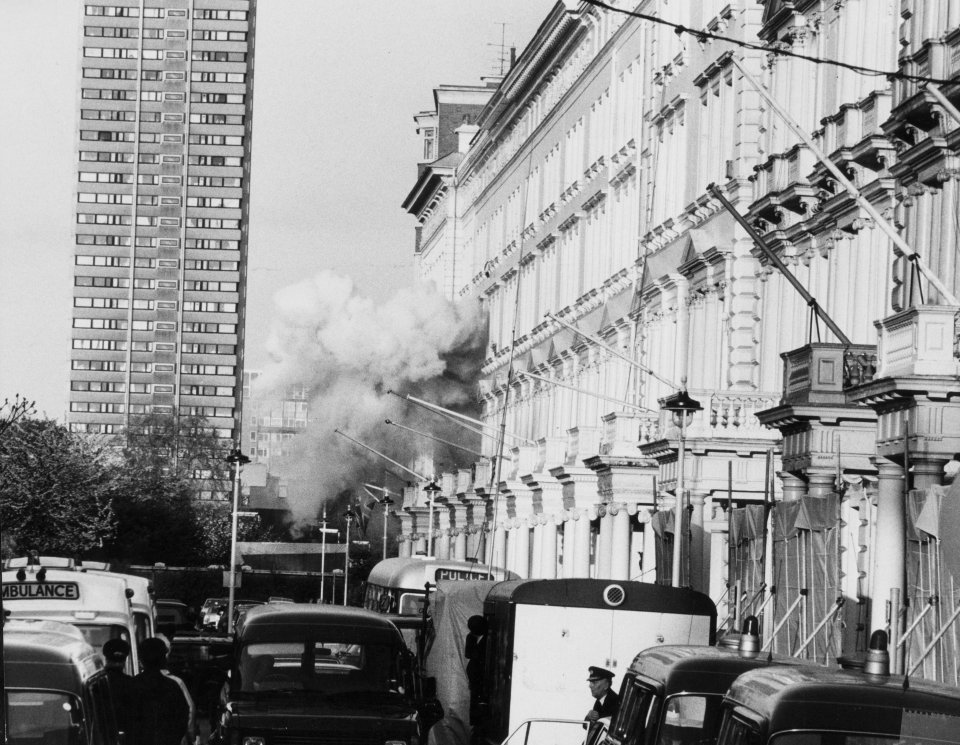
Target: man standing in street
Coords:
[(606, 699), (115, 653), (159, 711)]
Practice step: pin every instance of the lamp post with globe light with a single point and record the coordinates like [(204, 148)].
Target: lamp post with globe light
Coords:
[(682, 408), (236, 459)]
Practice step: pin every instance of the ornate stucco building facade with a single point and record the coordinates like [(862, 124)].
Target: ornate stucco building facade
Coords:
[(590, 224)]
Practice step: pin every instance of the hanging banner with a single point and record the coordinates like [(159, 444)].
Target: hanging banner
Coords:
[(948, 533)]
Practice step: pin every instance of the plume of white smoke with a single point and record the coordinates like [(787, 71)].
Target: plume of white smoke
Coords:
[(350, 352)]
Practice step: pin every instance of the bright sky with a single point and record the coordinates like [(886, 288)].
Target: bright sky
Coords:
[(334, 154)]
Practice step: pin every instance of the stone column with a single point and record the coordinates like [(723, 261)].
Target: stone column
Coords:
[(479, 548), (927, 472), (581, 552), (620, 542), (404, 549), (821, 482), (569, 546), (521, 544), (649, 552), (635, 565), (548, 549), (794, 487), (889, 559), (441, 544), (699, 552), (460, 544), (536, 558), (499, 546), (510, 546), (605, 544)]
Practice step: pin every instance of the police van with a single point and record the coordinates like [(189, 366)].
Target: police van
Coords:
[(818, 706), (542, 635), (399, 586), (55, 687), (99, 605)]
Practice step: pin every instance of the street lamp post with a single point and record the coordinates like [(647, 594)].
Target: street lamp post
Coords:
[(682, 407), (346, 564), (237, 459), (432, 488), (323, 551), (386, 502)]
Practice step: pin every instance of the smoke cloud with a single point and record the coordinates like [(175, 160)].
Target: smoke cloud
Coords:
[(351, 352)]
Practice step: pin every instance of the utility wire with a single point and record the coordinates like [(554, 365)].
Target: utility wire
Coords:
[(702, 36)]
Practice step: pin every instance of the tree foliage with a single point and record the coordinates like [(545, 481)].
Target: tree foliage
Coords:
[(132, 500), (168, 462), (56, 488)]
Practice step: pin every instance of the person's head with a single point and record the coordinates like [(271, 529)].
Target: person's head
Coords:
[(599, 681), (115, 652), (153, 653), (477, 625)]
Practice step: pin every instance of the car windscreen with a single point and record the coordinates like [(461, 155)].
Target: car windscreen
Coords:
[(691, 719), (48, 717), (636, 703), (327, 661)]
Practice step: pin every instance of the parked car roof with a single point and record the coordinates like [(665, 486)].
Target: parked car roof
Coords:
[(259, 621)]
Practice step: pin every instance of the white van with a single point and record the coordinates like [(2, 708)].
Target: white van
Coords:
[(142, 601)]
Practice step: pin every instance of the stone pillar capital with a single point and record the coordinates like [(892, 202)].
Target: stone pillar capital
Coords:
[(644, 514), (887, 469)]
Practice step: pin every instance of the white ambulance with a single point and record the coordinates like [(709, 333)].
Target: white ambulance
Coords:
[(99, 605)]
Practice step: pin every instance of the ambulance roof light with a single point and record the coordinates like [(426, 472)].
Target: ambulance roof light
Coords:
[(749, 646), (878, 659)]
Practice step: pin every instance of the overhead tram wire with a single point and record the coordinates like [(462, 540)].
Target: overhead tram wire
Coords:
[(421, 477), (701, 36), (433, 437), (459, 418), (601, 396), (612, 350)]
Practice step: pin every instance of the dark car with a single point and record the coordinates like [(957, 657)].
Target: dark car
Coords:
[(819, 706), (210, 613), (240, 607), (316, 673), (173, 613)]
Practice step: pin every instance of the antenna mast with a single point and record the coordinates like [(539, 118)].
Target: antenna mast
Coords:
[(502, 58)]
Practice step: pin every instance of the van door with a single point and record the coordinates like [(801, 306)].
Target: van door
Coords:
[(553, 647)]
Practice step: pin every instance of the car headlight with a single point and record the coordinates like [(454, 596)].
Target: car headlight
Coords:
[(254, 741)]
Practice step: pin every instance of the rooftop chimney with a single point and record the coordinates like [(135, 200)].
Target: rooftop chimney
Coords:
[(465, 133)]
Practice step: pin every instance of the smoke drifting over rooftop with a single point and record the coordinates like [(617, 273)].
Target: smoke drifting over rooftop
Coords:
[(351, 351)]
